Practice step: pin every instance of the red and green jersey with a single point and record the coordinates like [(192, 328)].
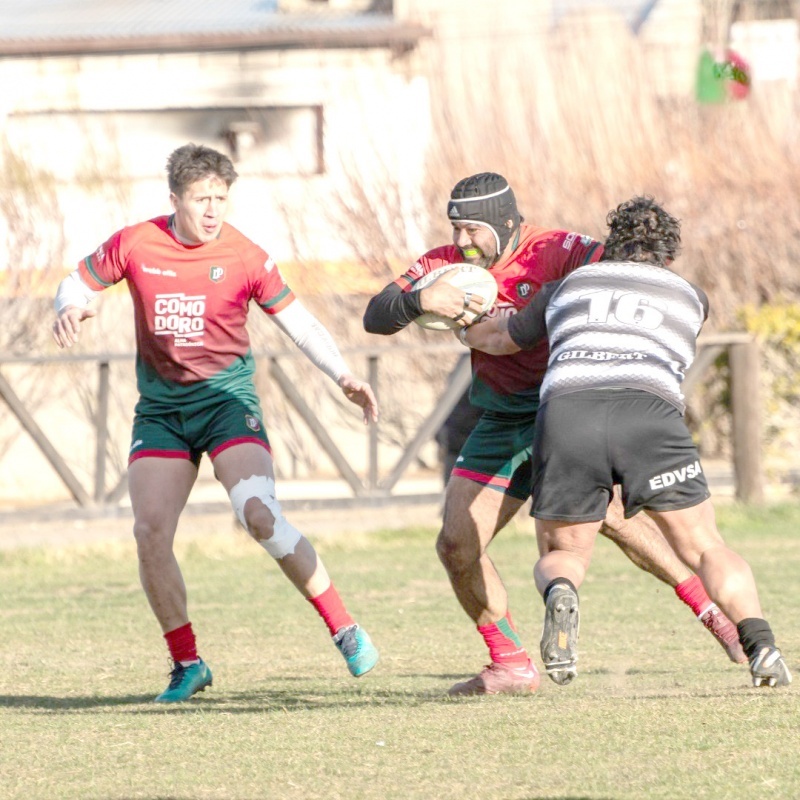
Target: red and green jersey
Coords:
[(510, 384), (190, 306)]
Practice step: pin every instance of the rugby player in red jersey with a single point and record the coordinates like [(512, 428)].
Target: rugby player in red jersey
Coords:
[(622, 334), (192, 277), (492, 476)]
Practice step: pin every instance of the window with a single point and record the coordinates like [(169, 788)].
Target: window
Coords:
[(269, 141)]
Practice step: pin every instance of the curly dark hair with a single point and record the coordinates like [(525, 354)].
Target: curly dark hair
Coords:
[(195, 162), (641, 230)]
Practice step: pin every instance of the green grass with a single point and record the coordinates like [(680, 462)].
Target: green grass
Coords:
[(657, 710)]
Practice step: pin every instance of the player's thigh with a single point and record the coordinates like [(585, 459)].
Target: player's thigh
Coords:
[(690, 531), (623, 530), (615, 513), (575, 538), (572, 479), (159, 488), (236, 440), (242, 461), (473, 515)]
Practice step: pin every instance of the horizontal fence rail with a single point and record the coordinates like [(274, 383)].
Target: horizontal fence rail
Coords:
[(371, 488)]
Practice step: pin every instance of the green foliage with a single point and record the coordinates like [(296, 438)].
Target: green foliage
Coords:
[(777, 326), (776, 323)]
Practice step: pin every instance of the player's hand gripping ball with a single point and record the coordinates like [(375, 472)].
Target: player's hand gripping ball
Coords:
[(473, 279)]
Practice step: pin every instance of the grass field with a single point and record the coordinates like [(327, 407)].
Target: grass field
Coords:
[(657, 710)]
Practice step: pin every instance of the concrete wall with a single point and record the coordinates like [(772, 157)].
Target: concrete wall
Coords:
[(90, 121)]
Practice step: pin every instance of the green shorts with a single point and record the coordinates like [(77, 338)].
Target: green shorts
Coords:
[(191, 430), (498, 453)]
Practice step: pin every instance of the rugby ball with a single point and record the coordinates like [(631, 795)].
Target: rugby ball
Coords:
[(468, 277)]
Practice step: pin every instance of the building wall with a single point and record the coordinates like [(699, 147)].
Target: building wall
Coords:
[(478, 16), (104, 125)]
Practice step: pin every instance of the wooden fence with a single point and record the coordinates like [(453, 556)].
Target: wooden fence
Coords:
[(371, 488)]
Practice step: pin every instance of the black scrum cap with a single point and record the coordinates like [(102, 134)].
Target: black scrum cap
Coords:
[(485, 199)]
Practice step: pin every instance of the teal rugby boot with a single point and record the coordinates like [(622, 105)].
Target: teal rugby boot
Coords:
[(357, 649), (186, 681)]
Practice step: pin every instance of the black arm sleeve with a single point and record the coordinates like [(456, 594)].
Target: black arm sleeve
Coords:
[(391, 310), (528, 327)]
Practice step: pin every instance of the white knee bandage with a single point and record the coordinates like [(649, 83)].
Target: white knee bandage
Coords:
[(285, 537)]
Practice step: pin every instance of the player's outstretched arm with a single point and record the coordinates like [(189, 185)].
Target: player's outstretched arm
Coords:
[(502, 336), (490, 336), (313, 338), (360, 393)]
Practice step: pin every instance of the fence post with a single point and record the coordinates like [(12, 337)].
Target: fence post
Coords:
[(101, 427), (372, 432), (19, 409), (746, 421)]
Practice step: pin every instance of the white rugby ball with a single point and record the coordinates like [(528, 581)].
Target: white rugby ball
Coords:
[(468, 277)]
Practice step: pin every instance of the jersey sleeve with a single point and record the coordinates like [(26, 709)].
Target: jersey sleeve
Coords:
[(433, 259), (411, 276), (107, 265), (270, 290), (567, 251)]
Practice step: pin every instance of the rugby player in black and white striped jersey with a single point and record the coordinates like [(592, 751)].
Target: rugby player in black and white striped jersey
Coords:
[(622, 333)]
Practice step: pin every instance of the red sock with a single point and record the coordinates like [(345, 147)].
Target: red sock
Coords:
[(504, 645), (693, 593), (182, 644), (331, 608)]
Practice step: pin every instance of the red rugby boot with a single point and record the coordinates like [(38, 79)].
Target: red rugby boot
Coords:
[(499, 679)]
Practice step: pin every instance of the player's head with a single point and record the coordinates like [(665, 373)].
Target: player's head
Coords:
[(193, 162), (641, 230), (483, 211), (199, 180)]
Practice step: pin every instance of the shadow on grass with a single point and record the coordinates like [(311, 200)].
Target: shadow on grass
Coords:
[(299, 693), (295, 694), (294, 697)]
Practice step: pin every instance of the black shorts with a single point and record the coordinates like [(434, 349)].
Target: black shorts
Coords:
[(587, 441)]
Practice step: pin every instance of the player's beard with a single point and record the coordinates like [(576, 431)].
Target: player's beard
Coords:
[(481, 260)]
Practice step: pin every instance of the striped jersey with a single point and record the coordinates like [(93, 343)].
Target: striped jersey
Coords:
[(510, 384), (616, 325), (190, 306)]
